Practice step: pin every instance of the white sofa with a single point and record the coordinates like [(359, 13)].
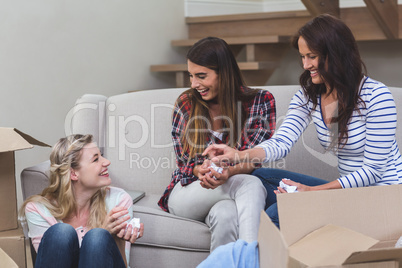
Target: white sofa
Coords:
[(133, 131)]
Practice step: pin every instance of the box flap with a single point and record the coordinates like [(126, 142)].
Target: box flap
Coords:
[(329, 245), (13, 244), (12, 139), (6, 261), (12, 234), (373, 211), (386, 254), (273, 250)]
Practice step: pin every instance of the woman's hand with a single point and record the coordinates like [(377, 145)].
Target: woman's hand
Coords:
[(221, 153), (211, 178), (131, 233), (115, 221), (304, 188), (116, 224), (201, 170), (300, 187)]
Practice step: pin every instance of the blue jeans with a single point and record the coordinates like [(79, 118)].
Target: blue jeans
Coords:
[(270, 178), (59, 247)]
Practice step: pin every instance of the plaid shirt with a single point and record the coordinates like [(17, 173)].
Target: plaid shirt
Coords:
[(259, 126)]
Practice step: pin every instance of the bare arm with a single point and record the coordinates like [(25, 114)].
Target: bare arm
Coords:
[(222, 153), (304, 188), (211, 179)]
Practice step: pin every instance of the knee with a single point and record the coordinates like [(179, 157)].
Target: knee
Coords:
[(61, 234), (268, 175), (258, 172), (224, 211), (62, 229), (246, 184), (256, 184), (97, 237)]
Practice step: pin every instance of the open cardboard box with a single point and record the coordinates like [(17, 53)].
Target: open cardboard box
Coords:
[(6, 260), (13, 244), (334, 228), (11, 140)]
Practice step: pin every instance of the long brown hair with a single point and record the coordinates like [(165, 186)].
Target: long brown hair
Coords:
[(58, 197), (340, 66), (215, 54)]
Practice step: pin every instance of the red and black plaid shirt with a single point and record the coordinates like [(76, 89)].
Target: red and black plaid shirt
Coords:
[(260, 126)]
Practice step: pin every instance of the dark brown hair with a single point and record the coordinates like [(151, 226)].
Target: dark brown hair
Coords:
[(340, 66), (215, 54)]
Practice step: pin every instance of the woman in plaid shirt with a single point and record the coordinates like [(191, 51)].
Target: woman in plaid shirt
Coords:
[(220, 109)]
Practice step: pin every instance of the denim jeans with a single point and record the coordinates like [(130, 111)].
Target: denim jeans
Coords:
[(270, 178), (59, 247)]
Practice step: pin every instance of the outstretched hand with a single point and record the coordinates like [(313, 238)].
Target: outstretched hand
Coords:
[(300, 187), (219, 153)]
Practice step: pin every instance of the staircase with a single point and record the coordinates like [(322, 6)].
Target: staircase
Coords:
[(260, 40)]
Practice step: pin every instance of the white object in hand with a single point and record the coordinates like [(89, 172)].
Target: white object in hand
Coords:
[(287, 188), (216, 168), (135, 223)]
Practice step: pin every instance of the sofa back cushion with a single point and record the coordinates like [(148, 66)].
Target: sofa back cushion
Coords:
[(138, 139), (397, 94)]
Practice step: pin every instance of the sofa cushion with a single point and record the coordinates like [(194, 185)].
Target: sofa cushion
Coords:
[(34, 179), (161, 226), (138, 139), (397, 94)]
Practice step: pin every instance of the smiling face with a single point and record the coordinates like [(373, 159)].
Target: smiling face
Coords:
[(204, 80), (92, 172), (310, 61)]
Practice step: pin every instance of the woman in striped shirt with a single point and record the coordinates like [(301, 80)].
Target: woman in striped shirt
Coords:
[(79, 220), (354, 115)]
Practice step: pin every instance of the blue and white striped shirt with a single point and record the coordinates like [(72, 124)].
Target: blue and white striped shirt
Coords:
[(370, 156)]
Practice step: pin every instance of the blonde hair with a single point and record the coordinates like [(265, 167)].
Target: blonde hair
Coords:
[(58, 197)]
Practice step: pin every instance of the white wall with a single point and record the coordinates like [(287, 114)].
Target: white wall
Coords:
[(54, 51), (195, 8)]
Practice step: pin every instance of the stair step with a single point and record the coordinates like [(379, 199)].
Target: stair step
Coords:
[(241, 40), (249, 16), (244, 66), (169, 68)]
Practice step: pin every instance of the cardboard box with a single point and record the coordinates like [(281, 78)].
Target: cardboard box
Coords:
[(6, 261), (13, 244), (11, 140), (334, 228)]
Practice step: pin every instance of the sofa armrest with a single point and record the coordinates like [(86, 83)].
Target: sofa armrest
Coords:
[(34, 179)]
